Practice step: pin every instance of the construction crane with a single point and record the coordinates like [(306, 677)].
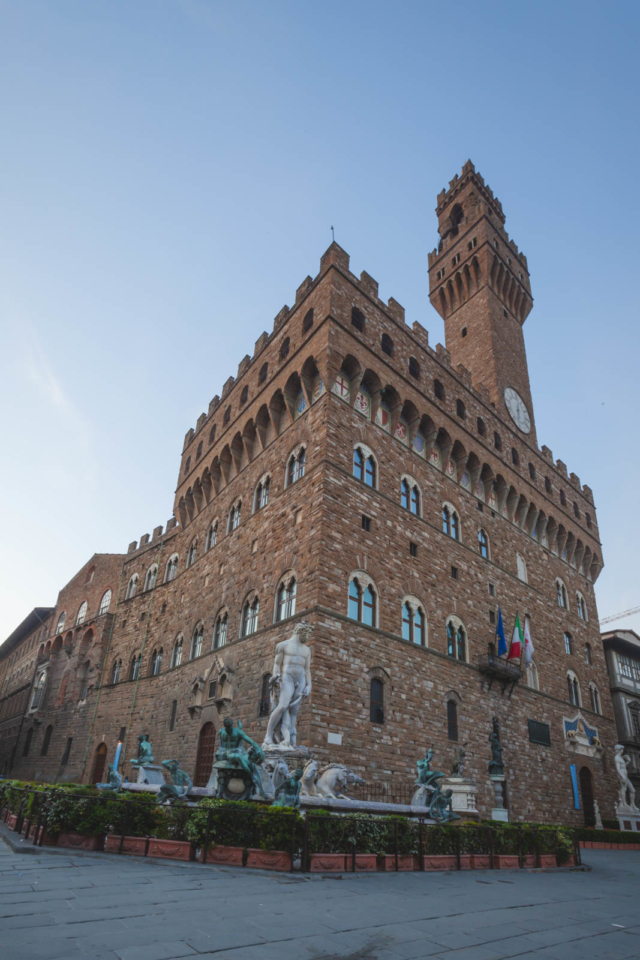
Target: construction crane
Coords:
[(619, 616)]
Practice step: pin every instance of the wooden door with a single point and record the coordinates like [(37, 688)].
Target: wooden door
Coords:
[(586, 789), (204, 761), (99, 764)]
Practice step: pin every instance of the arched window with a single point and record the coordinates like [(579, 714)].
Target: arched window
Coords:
[(307, 323), (134, 670), (171, 570), (410, 496), (212, 434), (461, 409), (295, 468), (27, 742), (264, 707), (532, 471), (357, 319), (250, 617), (563, 499), (47, 740), (581, 607), (132, 587), (116, 671), (212, 536), (235, 513), (284, 348), (262, 493), (82, 613), (156, 662), (150, 579), (199, 451), (84, 681), (568, 643), (482, 430), (362, 601), (105, 603), (220, 631), (386, 344), (176, 653), (60, 623), (574, 690), (227, 415), (286, 599), (414, 368), (364, 466), (244, 395), (196, 642), (450, 522), (39, 691), (376, 701), (483, 544), (561, 593), (497, 442), (456, 640), (192, 553), (532, 676), (515, 459), (595, 698), (452, 720), (264, 370), (438, 390), (521, 568), (547, 484), (413, 622), (587, 654)]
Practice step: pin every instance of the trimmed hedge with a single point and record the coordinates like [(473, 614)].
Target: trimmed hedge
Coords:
[(608, 836)]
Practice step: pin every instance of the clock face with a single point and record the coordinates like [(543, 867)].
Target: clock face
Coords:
[(517, 409)]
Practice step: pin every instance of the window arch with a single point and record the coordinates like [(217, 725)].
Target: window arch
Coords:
[(531, 672), (227, 415), (116, 670), (27, 742), (414, 368), (595, 698), (296, 465), (284, 348), (134, 670), (521, 568), (363, 599), (456, 639), (568, 643), (376, 700), (588, 656), (192, 553), (220, 630), (196, 641), (483, 544), (286, 597), (84, 680), (515, 458), (150, 579), (452, 720), (482, 430), (307, 323), (233, 520), (438, 390), (264, 370), (414, 621), (244, 395), (357, 319), (187, 466), (264, 706), (450, 521), (261, 498), (410, 495), (132, 587), (105, 603), (250, 616), (573, 686), (38, 691), (82, 613), (156, 661), (176, 653), (581, 607), (212, 433), (212, 536), (60, 623), (461, 410), (171, 569), (47, 740), (386, 344), (497, 442), (199, 451), (561, 594), (365, 467)]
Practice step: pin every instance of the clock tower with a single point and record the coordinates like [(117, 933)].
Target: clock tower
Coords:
[(479, 284)]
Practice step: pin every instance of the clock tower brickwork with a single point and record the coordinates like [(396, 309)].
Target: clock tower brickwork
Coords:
[(341, 371)]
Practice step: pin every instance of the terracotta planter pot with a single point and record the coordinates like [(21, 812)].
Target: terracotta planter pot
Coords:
[(327, 863), (406, 861), (547, 860), (232, 856), (439, 862), (480, 861), (506, 861), (529, 860), (269, 859), (171, 849), (47, 839), (466, 861), (365, 862), (79, 842), (12, 820), (133, 846)]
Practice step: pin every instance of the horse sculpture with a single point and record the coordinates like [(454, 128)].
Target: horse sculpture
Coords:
[(331, 782)]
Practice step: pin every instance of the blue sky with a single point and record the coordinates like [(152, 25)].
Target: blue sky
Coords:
[(169, 174)]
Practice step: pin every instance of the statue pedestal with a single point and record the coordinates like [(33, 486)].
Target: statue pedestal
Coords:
[(499, 812), (151, 775), (463, 797), (628, 817)]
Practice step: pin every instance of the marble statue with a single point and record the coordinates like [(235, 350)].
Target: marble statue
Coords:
[(598, 818), (290, 683), (114, 781), (233, 758), (331, 782), (145, 756), (179, 788), (622, 761), (496, 766), (288, 793), (457, 767), (429, 794)]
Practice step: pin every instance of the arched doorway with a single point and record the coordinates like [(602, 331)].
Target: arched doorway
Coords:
[(204, 761), (99, 764), (586, 789)]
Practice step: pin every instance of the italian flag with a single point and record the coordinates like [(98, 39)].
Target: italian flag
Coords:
[(515, 650)]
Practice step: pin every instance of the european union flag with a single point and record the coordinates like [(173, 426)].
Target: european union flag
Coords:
[(502, 643)]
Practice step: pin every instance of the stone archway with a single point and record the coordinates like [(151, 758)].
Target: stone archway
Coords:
[(586, 789), (204, 760), (99, 764)]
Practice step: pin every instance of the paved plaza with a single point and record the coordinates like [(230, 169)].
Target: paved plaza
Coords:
[(57, 906)]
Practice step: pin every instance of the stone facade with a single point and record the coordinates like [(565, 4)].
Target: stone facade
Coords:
[(339, 404)]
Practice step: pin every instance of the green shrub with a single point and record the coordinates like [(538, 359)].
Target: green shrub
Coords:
[(608, 836), (243, 824)]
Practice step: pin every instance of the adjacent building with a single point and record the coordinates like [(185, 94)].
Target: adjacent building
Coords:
[(622, 652)]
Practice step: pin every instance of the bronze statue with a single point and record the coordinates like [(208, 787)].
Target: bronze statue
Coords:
[(288, 793), (179, 788)]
